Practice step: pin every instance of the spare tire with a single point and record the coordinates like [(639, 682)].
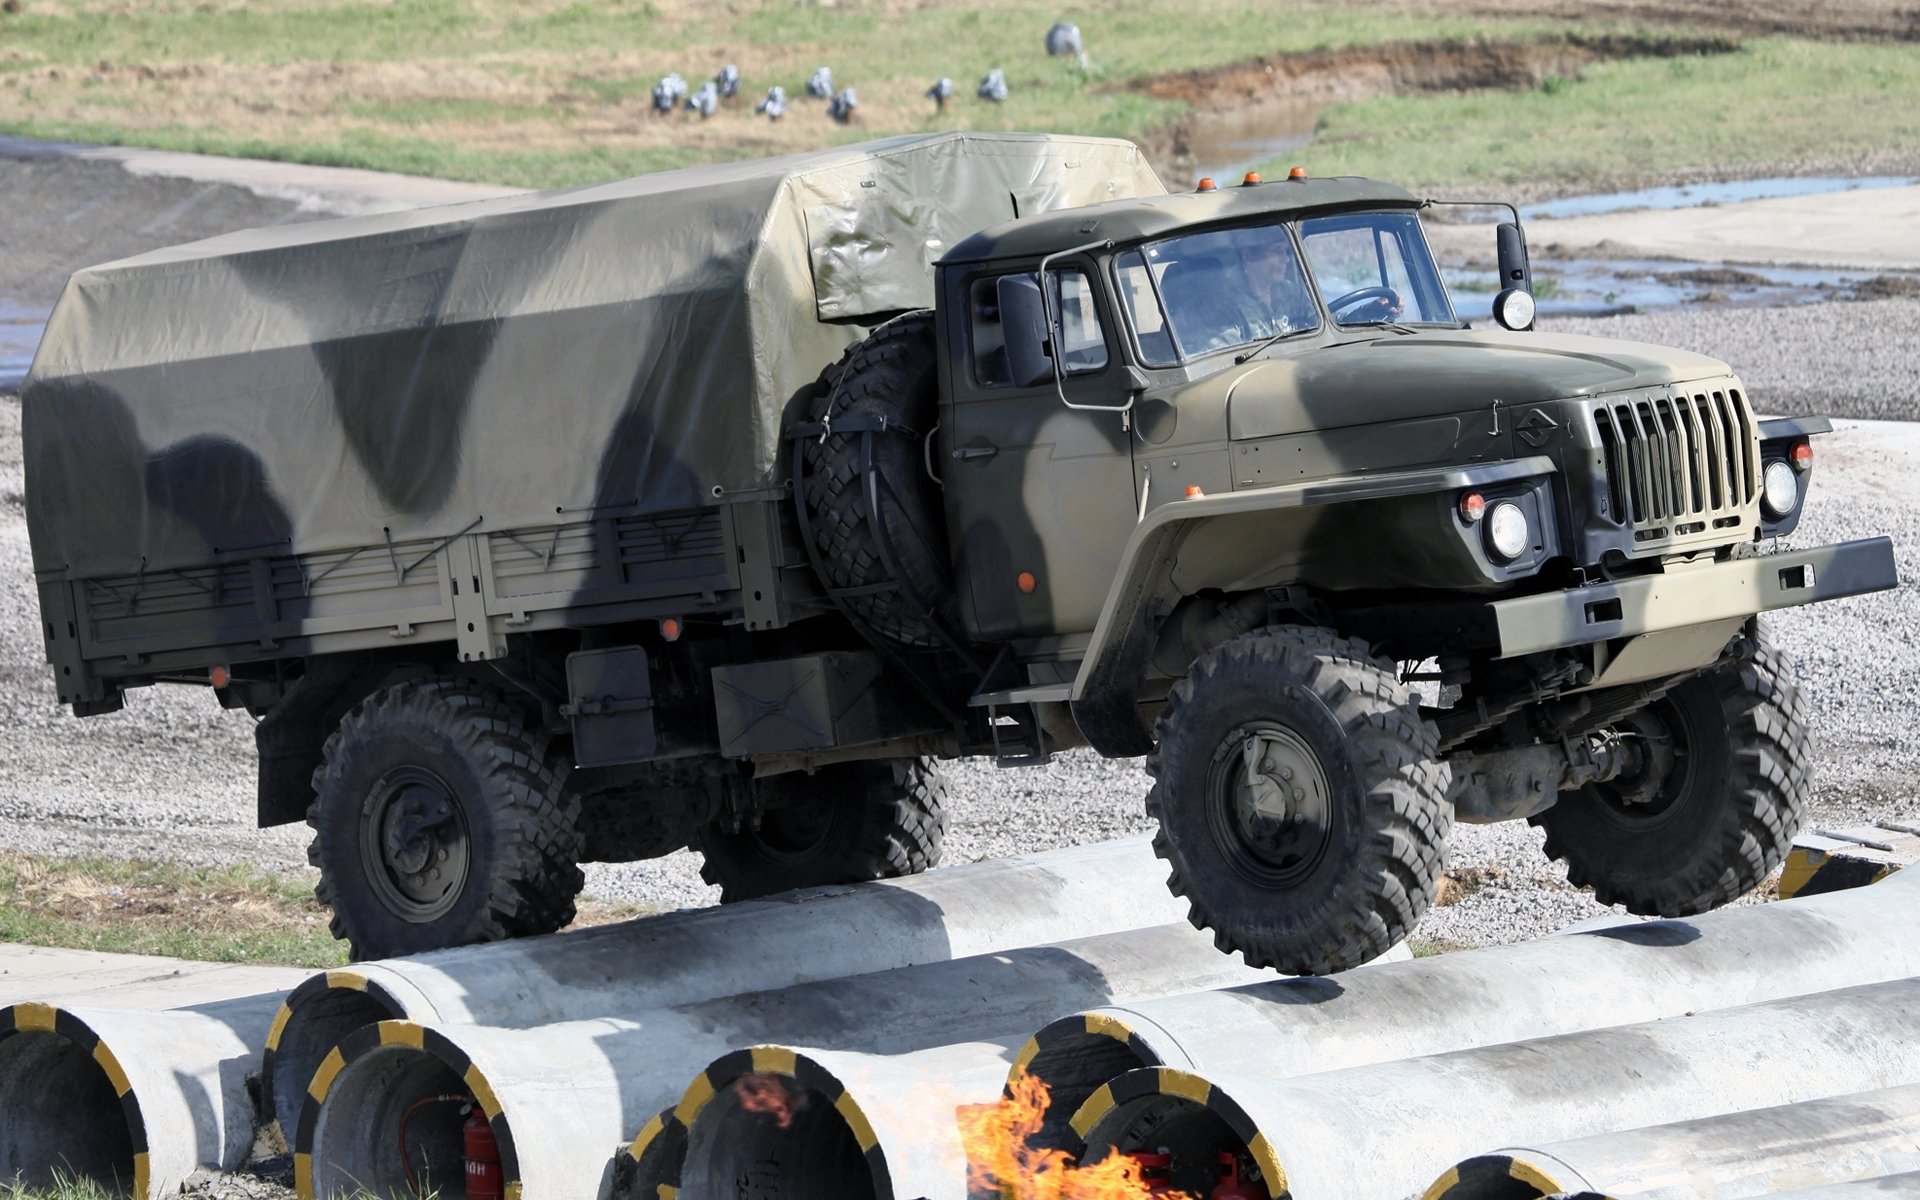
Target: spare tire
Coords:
[(886, 388)]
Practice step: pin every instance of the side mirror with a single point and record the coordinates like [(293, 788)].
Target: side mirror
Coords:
[(1023, 322), (1514, 271)]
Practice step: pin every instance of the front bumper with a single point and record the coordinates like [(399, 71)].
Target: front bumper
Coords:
[(1692, 596)]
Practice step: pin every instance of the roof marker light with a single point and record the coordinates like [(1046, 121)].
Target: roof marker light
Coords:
[(1252, 178), (1206, 184), (1297, 173)]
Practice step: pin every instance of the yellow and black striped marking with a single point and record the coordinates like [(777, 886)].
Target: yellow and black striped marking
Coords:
[(313, 991), (1499, 1175), (1071, 1033), (1150, 1082), (727, 1070), (28, 1017), (1811, 871), (371, 1039), (649, 1168)]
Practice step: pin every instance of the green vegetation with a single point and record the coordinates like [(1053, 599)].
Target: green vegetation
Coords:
[(217, 914), (1774, 103), (221, 914), (547, 93), (63, 1187)]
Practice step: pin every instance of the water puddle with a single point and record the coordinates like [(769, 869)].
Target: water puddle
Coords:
[(1600, 287), (1698, 195), (20, 328), (1225, 145)]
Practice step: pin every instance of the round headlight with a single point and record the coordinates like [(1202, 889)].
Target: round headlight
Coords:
[(1507, 530), (1513, 308), (1782, 490)]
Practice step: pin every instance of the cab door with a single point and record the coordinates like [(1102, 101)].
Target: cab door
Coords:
[(1039, 496)]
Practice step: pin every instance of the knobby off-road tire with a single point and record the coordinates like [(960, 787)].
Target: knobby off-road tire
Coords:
[(893, 375), (845, 823), (1336, 868), (1720, 814), (439, 820)]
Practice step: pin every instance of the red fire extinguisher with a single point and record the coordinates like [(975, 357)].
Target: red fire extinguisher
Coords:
[(484, 1178), (1156, 1170), (1232, 1186)]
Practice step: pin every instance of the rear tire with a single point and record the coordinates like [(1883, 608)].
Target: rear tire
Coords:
[(1301, 802), (439, 821), (1731, 791), (845, 823)]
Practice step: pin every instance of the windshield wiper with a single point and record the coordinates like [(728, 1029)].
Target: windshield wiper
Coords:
[(1284, 333), (1396, 326)]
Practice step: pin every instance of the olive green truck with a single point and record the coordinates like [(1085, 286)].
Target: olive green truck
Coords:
[(715, 508)]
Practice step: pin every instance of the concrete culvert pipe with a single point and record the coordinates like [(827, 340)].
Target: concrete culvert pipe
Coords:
[(780, 1123), (577, 1088), (135, 1101), (1741, 1154), (1610, 976), (621, 970), (1385, 1131), (1905, 1187)]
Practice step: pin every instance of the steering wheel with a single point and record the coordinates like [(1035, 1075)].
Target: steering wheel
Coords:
[(1386, 297)]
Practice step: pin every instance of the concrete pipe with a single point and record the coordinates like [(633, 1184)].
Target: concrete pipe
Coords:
[(1906, 1186), (782, 1123), (1754, 1153), (819, 933), (575, 1090), (1608, 976), (136, 1101), (1384, 1131)]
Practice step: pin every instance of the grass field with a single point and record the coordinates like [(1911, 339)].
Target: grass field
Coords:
[(217, 914), (550, 92)]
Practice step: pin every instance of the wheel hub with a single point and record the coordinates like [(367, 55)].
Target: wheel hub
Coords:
[(1279, 799), (415, 844), (1652, 755)]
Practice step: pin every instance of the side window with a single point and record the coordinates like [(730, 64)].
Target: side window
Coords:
[(1083, 344), (1143, 309)]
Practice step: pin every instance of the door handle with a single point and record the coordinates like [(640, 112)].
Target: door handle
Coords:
[(966, 452)]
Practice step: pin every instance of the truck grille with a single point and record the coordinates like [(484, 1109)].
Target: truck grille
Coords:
[(1680, 463)]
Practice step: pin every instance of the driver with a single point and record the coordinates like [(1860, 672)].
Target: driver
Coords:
[(1278, 285)]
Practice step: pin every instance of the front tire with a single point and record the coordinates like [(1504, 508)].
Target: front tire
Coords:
[(845, 823), (1730, 770), (1302, 805), (439, 821)]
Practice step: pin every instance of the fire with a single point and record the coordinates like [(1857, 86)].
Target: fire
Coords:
[(760, 1093), (1003, 1162)]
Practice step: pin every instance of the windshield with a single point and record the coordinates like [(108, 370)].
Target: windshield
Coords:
[(1375, 268), (1193, 295)]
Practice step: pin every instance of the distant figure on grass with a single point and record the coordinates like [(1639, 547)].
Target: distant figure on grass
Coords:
[(1064, 39), (941, 92), (668, 93), (705, 101), (820, 85), (775, 104), (993, 86), (841, 107), (727, 82)]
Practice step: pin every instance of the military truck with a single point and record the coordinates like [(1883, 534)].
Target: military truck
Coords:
[(716, 508)]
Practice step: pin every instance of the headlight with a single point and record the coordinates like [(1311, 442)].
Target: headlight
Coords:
[(1782, 490), (1513, 308), (1507, 533)]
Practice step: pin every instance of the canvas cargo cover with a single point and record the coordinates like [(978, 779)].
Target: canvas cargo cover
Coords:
[(501, 364)]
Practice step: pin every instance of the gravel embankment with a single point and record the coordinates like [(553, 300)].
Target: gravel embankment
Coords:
[(1845, 358)]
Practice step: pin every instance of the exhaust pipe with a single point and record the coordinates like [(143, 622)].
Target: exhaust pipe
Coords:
[(1754, 1153), (1602, 977), (561, 1095), (625, 969), (784, 1123), (136, 1101), (1384, 1131)]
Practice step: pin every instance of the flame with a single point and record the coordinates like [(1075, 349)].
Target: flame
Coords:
[(1003, 1162), (762, 1093)]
